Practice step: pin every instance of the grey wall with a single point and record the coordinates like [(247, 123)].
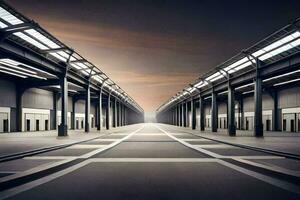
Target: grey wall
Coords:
[(289, 98), (8, 94), (222, 108), (38, 98), (268, 103)]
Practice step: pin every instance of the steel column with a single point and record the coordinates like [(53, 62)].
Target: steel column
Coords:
[(99, 111), (231, 111), (73, 114), (193, 110), (258, 125), (275, 114), (186, 115), (63, 127), (214, 112), (87, 109), (108, 113), (202, 114)]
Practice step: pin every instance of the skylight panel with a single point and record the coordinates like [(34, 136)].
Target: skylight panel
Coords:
[(42, 38), (273, 50), (2, 25), (213, 76), (7, 16), (56, 55), (31, 40)]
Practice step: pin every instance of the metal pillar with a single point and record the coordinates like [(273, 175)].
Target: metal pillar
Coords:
[(119, 114), (186, 115), (115, 114), (63, 127), (54, 110), (99, 127), (73, 114), (108, 113), (231, 111), (182, 115), (87, 109), (214, 112), (202, 116), (19, 106), (275, 114), (242, 113), (125, 115), (193, 110), (258, 125)]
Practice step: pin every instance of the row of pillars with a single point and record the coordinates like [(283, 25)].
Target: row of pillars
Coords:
[(178, 115), (119, 111)]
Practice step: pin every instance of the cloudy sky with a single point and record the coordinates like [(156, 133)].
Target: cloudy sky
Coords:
[(154, 48)]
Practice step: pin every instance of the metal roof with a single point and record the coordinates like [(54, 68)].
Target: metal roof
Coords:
[(17, 28)]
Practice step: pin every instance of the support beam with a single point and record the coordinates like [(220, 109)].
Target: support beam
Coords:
[(193, 111), (63, 127), (241, 102), (54, 110), (115, 113), (202, 114), (186, 115), (73, 113), (258, 125), (182, 115), (275, 113), (108, 113), (119, 113), (214, 112), (19, 106), (99, 118), (87, 109), (231, 111)]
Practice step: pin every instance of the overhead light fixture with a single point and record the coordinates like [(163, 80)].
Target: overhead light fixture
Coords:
[(251, 91), (11, 73), (282, 75), (20, 72), (225, 92), (286, 82), (244, 86)]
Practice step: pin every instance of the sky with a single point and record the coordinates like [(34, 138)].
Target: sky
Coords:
[(154, 48)]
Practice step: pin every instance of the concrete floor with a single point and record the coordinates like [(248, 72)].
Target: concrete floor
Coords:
[(151, 161)]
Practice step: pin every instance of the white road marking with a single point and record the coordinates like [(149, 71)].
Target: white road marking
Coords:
[(86, 146), (192, 140), (106, 140), (269, 167), (16, 190), (281, 184), (153, 160), (273, 181), (215, 146), (190, 145)]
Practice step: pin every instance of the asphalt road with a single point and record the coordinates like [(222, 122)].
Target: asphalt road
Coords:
[(151, 161)]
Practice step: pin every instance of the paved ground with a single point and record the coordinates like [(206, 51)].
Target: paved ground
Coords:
[(151, 161)]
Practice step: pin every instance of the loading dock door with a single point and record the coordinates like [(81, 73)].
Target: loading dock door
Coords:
[(3, 122)]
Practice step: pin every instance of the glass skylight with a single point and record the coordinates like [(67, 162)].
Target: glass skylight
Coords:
[(8, 17)]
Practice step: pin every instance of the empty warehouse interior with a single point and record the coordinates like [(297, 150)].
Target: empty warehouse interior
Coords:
[(69, 130)]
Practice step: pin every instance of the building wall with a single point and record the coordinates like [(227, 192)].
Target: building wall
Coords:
[(7, 90)]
